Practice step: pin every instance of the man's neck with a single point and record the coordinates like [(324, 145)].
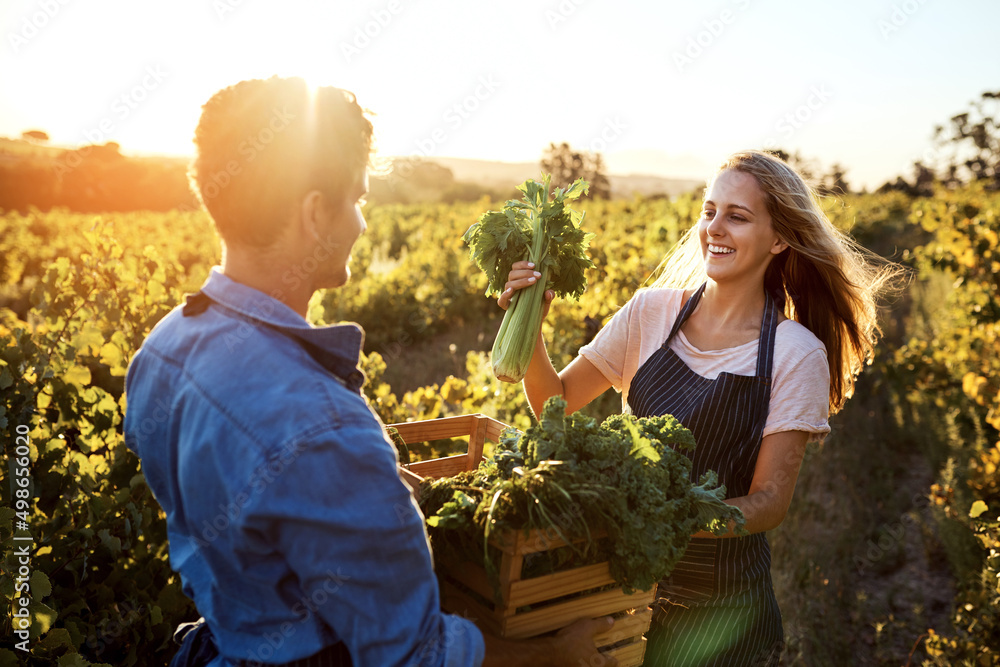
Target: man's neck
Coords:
[(271, 274)]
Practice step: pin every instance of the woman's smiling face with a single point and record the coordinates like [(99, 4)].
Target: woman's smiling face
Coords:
[(737, 238)]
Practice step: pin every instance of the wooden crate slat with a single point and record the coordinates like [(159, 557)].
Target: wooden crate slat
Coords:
[(508, 572), (472, 577), (630, 655), (436, 429), (456, 601), (517, 542), (449, 427), (551, 586), (476, 427), (477, 438), (443, 467), (630, 625), (494, 428), (556, 616)]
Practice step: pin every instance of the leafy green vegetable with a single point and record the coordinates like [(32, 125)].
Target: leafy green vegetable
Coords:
[(399, 444), (542, 231), (627, 479)]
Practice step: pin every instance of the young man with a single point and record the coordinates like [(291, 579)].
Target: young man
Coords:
[(287, 520)]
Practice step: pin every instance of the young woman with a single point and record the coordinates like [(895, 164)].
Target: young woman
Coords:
[(751, 336)]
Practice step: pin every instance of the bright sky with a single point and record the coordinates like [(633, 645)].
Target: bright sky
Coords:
[(662, 87)]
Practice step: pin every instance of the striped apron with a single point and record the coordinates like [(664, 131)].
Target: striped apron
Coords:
[(717, 608)]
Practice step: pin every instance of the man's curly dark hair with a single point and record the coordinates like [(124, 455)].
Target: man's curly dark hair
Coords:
[(263, 144)]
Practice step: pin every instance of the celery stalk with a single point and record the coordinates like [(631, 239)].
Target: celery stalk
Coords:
[(515, 343), (546, 233)]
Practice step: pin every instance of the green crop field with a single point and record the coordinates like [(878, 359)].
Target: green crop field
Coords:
[(879, 561)]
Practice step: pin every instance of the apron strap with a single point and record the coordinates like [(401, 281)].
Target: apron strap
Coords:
[(686, 311), (768, 327)]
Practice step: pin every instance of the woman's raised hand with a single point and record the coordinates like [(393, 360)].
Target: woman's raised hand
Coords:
[(523, 274)]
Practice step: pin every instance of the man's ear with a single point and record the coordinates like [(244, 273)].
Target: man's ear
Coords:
[(311, 212)]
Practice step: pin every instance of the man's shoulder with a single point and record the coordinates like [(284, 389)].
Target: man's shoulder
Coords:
[(243, 374), (225, 339)]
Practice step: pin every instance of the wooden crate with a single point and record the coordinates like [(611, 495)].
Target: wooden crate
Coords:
[(527, 607), (539, 605), (479, 428)]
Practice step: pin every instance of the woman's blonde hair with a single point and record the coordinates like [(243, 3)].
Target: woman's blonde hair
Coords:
[(823, 280)]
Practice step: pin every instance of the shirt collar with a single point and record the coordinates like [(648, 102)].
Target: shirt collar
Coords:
[(337, 347)]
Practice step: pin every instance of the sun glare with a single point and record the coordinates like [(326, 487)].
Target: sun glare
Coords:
[(84, 78)]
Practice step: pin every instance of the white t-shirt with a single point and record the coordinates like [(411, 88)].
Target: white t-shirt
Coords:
[(800, 376)]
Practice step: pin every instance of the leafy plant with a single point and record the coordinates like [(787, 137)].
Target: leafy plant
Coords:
[(79, 293), (101, 588), (576, 477), (541, 231)]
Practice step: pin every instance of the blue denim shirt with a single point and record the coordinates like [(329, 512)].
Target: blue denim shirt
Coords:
[(287, 520)]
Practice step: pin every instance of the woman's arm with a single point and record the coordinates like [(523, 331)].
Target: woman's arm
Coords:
[(579, 383), (773, 482)]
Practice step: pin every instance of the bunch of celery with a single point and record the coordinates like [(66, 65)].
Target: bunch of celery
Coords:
[(540, 230)]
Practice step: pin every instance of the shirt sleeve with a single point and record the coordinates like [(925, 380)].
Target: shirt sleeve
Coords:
[(800, 397), (608, 351), (355, 539)]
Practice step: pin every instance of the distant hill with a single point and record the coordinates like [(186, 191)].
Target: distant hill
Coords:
[(19, 151), (504, 175), (101, 178), (90, 179), (648, 185)]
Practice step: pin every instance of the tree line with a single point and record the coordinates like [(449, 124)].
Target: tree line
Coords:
[(99, 178)]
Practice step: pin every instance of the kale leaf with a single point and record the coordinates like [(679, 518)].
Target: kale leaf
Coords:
[(626, 479)]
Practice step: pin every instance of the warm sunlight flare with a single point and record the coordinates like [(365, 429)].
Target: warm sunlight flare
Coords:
[(657, 88), (517, 333)]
